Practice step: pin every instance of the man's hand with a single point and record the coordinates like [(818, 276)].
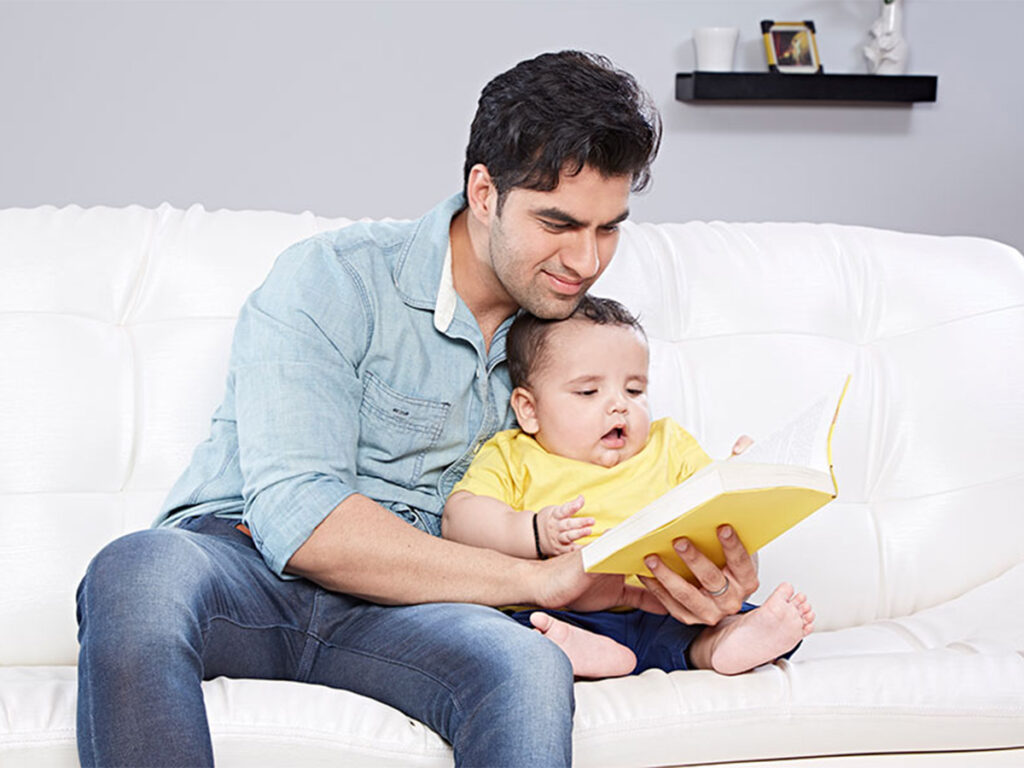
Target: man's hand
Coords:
[(721, 591), (558, 530), (562, 583)]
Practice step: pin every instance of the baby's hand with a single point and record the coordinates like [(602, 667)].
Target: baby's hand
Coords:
[(558, 530), (741, 444)]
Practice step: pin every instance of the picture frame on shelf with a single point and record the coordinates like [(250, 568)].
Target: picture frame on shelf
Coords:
[(790, 47)]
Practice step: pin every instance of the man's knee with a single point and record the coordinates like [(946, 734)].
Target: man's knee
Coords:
[(524, 665), (149, 579), (520, 703), (145, 560), (544, 665)]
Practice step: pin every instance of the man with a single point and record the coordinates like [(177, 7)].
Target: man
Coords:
[(302, 540)]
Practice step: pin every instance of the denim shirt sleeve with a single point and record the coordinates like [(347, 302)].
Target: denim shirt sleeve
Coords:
[(294, 357)]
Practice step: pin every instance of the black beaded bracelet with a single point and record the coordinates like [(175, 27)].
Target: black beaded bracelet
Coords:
[(536, 539)]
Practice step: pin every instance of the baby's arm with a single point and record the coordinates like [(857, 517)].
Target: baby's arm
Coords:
[(484, 521)]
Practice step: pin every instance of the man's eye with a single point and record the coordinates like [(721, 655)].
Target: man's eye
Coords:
[(610, 228), (556, 226)]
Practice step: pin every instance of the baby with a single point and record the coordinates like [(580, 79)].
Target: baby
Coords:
[(580, 397)]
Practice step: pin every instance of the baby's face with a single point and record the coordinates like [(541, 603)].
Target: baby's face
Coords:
[(590, 393)]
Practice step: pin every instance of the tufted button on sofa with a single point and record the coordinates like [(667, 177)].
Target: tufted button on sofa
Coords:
[(114, 333)]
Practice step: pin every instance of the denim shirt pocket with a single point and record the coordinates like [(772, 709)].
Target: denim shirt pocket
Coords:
[(397, 431)]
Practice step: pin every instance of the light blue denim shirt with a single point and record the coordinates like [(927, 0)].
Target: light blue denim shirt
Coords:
[(355, 368)]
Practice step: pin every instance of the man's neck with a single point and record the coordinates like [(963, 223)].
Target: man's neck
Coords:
[(473, 277)]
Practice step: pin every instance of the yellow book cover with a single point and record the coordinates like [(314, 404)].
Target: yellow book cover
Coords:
[(762, 493)]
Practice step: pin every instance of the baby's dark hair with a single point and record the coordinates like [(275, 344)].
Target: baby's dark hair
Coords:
[(526, 343)]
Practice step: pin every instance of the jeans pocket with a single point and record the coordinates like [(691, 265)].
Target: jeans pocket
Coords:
[(397, 431)]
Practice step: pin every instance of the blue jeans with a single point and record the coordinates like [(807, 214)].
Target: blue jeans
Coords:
[(161, 610)]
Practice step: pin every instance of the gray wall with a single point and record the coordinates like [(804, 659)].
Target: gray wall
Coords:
[(362, 108)]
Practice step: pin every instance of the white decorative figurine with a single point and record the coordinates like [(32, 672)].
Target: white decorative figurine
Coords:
[(887, 51)]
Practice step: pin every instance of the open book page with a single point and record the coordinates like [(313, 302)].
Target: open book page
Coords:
[(803, 442)]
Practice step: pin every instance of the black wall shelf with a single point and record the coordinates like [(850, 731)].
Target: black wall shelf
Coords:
[(775, 86)]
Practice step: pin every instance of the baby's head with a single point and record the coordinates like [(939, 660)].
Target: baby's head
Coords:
[(580, 384)]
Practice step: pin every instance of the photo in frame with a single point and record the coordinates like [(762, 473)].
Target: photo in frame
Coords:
[(790, 47)]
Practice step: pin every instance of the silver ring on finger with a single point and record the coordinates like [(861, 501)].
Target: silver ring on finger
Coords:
[(720, 592)]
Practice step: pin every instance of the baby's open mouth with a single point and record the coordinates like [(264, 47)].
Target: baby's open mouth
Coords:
[(614, 437)]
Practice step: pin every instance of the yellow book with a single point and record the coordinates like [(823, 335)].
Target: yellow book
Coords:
[(761, 493)]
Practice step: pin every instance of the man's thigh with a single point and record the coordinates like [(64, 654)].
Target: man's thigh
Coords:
[(253, 623), (261, 626), (442, 663)]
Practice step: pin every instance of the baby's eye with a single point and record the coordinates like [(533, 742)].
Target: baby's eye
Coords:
[(586, 392), (635, 392)]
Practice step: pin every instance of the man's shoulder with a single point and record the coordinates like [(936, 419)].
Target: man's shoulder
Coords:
[(360, 257), (377, 246), (355, 243), (368, 266), (382, 235)]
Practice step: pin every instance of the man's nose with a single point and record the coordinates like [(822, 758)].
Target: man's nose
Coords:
[(581, 255)]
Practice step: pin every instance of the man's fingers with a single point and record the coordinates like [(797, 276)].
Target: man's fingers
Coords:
[(642, 600), (676, 590), (738, 562), (708, 574), (668, 602)]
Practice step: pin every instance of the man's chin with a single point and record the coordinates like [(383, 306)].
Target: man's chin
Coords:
[(553, 307)]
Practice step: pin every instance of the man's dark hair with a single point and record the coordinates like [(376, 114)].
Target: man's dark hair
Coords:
[(563, 111), (526, 343)]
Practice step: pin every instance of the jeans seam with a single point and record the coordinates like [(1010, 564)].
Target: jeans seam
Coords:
[(394, 662), (240, 625), (305, 663), (327, 644), (87, 691)]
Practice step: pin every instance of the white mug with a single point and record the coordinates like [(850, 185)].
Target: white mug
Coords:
[(716, 47)]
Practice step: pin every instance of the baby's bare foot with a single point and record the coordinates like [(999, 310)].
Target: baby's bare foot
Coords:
[(591, 655), (763, 634)]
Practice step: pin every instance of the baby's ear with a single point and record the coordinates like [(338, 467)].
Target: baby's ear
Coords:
[(526, 410)]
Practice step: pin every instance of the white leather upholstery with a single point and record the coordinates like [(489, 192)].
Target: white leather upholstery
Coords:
[(114, 331)]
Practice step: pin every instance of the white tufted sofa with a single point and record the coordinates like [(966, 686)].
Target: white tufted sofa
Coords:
[(114, 332)]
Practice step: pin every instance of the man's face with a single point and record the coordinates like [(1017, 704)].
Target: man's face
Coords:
[(548, 248), (589, 394)]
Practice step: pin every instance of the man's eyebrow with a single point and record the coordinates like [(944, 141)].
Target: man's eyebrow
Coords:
[(557, 214)]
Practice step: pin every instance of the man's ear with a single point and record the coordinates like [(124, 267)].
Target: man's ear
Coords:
[(526, 410), (481, 194)]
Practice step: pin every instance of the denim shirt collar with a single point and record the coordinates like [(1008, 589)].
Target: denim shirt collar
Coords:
[(423, 274)]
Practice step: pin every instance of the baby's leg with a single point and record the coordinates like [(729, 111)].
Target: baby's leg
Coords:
[(592, 655), (740, 643)]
